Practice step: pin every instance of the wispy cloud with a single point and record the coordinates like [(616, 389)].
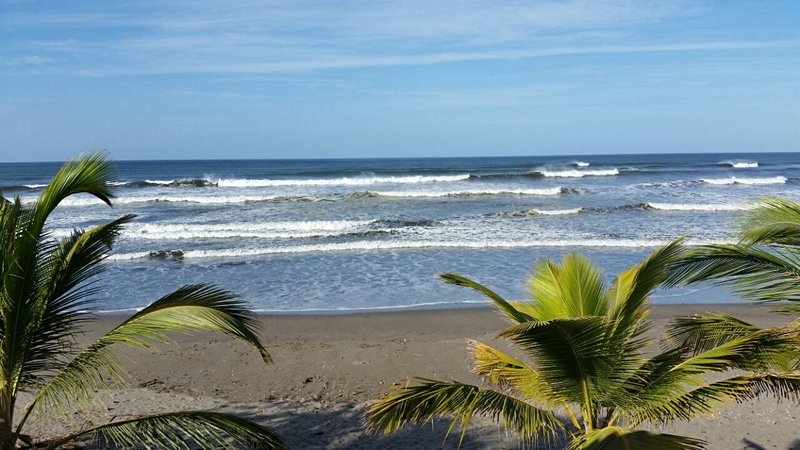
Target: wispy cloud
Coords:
[(257, 37), (28, 60)]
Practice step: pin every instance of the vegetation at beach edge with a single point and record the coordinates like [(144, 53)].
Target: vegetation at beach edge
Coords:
[(581, 373), (47, 284)]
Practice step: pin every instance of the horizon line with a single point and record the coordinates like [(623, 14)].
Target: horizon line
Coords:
[(389, 158)]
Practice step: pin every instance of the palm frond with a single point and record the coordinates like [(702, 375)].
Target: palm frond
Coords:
[(22, 274), (573, 289), (85, 174), (760, 274), (774, 221), (577, 357), (686, 405), (615, 438), (194, 307), (501, 303), (503, 370), (64, 292), (631, 289), (755, 351), (180, 430), (696, 334), (428, 399)]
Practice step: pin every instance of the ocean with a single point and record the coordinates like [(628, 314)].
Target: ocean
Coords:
[(372, 234)]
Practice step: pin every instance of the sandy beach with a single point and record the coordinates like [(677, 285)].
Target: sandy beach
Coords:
[(327, 368)]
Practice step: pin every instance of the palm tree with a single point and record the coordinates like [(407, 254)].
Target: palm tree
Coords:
[(764, 265), (46, 284), (584, 358)]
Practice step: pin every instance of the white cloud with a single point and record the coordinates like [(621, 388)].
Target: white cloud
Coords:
[(257, 37)]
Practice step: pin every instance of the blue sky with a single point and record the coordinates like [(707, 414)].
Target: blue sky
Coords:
[(314, 79)]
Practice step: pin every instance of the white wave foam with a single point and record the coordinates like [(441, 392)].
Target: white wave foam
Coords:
[(162, 182), (582, 163), (264, 230), (91, 201), (346, 181), (423, 305), (574, 173), (746, 181), (468, 192), (557, 212), (398, 245), (34, 186), (738, 164), (697, 207)]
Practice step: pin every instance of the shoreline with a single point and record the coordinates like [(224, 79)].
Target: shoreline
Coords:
[(426, 308), (328, 368)]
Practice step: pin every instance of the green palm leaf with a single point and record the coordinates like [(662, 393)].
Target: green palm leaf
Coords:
[(23, 251), (180, 430), (45, 284), (584, 346), (754, 351), (775, 221), (193, 307), (684, 404), (628, 296), (502, 304), (428, 399), (757, 273), (616, 438), (700, 333), (501, 370), (64, 292), (573, 289), (86, 174)]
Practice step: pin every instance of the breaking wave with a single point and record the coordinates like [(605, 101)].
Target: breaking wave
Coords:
[(463, 193), (575, 173), (698, 206), (745, 181), (346, 181), (186, 182), (200, 199), (375, 245), (738, 164), (541, 212)]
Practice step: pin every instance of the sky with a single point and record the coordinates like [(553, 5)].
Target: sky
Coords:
[(206, 79)]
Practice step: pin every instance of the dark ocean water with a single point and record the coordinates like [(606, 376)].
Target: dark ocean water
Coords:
[(339, 235)]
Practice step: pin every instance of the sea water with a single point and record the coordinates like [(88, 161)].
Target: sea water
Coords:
[(372, 234)]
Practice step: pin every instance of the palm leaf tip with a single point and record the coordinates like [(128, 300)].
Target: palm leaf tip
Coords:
[(201, 307), (502, 304)]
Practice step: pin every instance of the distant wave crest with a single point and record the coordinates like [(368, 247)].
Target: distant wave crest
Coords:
[(199, 199), (576, 173), (745, 181), (185, 182), (739, 164), (541, 212), (698, 206), (463, 193), (345, 181)]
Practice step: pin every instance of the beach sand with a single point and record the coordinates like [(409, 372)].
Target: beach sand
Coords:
[(327, 368)]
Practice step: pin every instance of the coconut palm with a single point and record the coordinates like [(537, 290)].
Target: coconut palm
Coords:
[(764, 265), (46, 284), (583, 370)]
